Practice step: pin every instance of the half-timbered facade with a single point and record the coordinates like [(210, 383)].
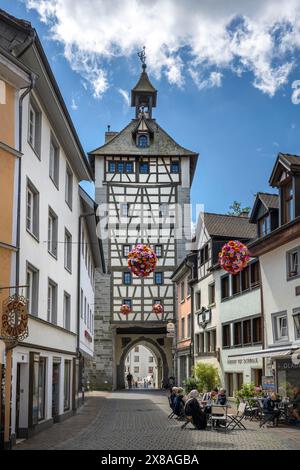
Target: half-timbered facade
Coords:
[(143, 180)]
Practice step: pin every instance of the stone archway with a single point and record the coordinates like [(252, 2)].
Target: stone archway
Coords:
[(162, 363)]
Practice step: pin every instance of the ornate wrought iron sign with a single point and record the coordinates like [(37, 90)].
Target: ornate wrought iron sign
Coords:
[(14, 318), (204, 317)]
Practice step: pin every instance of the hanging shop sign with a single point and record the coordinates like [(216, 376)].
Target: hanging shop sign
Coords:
[(14, 318), (170, 330)]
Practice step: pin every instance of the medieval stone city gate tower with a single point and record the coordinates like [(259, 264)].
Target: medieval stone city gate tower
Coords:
[(140, 170)]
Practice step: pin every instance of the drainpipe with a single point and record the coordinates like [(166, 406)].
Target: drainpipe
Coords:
[(190, 265), (262, 318), (18, 234)]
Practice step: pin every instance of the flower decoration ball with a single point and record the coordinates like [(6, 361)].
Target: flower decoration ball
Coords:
[(158, 308), (234, 256), (142, 260), (125, 309)]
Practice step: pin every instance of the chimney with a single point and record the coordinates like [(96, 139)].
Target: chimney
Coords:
[(245, 214), (109, 134)]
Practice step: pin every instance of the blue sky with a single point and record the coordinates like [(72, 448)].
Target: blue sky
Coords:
[(222, 107)]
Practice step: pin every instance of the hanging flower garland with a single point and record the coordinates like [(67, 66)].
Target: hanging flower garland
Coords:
[(125, 309), (142, 260), (158, 309), (234, 256)]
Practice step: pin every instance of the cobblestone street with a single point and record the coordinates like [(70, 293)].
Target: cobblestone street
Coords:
[(138, 420)]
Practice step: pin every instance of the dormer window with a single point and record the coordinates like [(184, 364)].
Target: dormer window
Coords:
[(142, 141), (264, 225), (288, 202)]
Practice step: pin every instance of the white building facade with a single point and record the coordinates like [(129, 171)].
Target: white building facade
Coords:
[(45, 366), (277, 245), (227, 308)]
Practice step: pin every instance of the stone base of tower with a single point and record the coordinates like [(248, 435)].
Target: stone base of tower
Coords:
[(101, 373)]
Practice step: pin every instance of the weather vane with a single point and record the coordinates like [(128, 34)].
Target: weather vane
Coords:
[(142, 56)]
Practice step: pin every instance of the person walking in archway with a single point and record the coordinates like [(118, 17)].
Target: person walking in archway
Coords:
[(129, 380)]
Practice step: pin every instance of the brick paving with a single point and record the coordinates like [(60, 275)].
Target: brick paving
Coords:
[(130, 420)]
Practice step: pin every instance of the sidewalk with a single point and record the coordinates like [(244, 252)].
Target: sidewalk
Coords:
[(72, 427)]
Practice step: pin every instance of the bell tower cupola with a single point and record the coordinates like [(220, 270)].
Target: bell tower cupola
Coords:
[(143, 95)]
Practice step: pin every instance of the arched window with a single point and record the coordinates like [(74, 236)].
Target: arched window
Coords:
[(142, 141)]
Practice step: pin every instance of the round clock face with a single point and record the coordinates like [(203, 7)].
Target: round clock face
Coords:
[(15, 318)]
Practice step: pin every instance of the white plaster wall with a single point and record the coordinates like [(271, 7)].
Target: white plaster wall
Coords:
[(36, 252), (279, 294), (88, 291)]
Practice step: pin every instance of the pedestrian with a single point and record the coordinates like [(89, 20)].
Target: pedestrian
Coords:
[(129, 380)]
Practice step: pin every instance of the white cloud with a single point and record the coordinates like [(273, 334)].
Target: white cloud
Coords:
[(74, 105), (125, 96), (203, 39)]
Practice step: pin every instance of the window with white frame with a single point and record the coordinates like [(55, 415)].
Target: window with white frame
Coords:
[(67, 311), (198, 300), (68, 250), (32, 209), (296, 320), (52, 233), (81, 303), (280, 326), (69, 187), (32, 289), (52, 302), (85, 306), (293, 262), (34, 127), (54, 161)]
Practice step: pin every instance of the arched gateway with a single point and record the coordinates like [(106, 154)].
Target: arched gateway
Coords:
[(142, 180), (159, 351)]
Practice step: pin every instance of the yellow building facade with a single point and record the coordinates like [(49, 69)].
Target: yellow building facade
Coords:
[(14, 80)]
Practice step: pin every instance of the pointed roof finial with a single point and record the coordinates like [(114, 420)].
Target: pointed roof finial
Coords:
[(142, 56)]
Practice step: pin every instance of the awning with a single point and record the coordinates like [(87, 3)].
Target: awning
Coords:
[(270, 352)]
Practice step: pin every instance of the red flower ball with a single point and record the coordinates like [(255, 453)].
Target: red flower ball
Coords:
[(158, 308), (142, 260), (125, 309), (234, 256)]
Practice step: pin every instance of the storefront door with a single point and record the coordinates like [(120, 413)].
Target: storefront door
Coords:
[(55, 387)]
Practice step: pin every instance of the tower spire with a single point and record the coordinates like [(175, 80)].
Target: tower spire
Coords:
[(142, 56), (143, 95)]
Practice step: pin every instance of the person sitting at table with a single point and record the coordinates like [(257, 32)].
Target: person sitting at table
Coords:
[(295, 412), (269, 408), (222, 399), (193, 410), (209, 396), (179, 402), (172, 397)]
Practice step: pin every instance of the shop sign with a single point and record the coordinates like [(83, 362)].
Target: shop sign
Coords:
[(287, 364), (14, 318), (268, 383), (170, 330), (243, 361)]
